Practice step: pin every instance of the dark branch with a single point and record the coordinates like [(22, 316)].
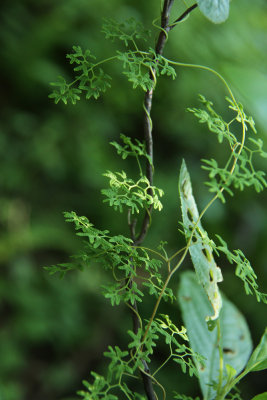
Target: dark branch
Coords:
[(183, 16), (147, 381), (165, 15)]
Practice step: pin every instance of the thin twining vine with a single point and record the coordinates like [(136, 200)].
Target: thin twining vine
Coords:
[(215, 197), (156, 65), (132, 62), (123, 255), (106, 249), (240, 115)]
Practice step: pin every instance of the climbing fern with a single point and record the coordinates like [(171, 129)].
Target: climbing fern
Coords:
[(205, 347)]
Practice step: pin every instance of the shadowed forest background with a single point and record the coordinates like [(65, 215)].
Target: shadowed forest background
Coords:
[(52, 331)]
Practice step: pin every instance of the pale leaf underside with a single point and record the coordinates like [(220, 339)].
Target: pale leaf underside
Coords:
[(235, 337), (216, 11), (208, 273)]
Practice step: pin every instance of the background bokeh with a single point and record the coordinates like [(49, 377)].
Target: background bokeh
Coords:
[(52, 331)]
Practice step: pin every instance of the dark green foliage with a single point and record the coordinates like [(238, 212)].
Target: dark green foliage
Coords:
[(138, 66), (90, 79), (243, 174), (243, 270), (130, 149), (184, 397), (128, 31)]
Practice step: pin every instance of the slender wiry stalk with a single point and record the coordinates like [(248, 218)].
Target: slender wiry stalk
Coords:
[(183, 16)]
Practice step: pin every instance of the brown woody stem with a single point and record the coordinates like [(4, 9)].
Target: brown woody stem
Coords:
[(165, 15)]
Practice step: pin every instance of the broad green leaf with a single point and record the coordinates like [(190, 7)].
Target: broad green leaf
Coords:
[(200, 250), (258, 359), (235, 337), (216, 11), (262, 396)]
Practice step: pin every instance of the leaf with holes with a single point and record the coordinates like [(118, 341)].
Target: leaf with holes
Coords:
[(235, 337), (200, 248), (216, 11)]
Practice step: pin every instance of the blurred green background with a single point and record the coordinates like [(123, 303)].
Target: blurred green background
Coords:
[(53, 332)]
